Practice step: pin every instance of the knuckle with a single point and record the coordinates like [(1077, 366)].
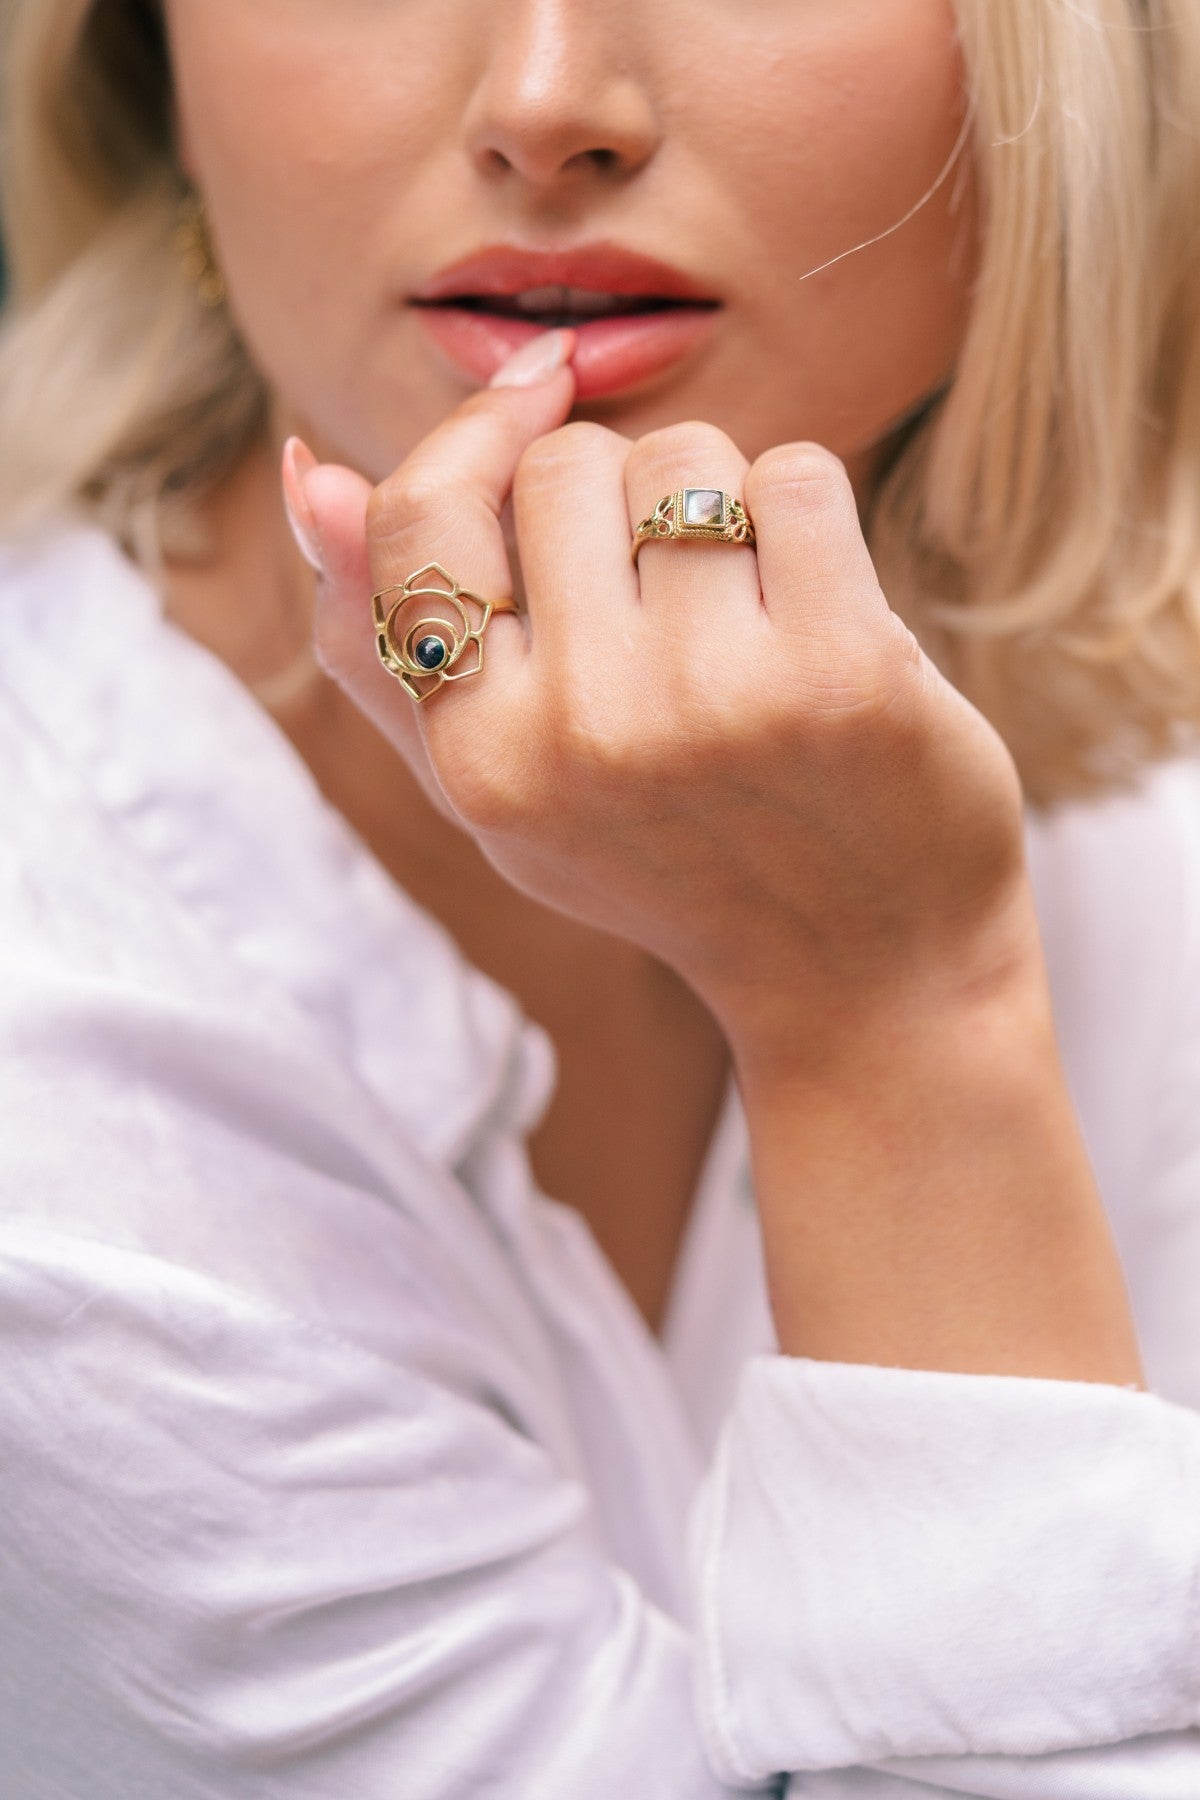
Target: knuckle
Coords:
[(483, 797), (593, 746), (412, 496), (808, 472), (840, 682), (902, 646), (672, 448), (871, 690), (551, 456), (489, 792), (612, 752), (588, 740)]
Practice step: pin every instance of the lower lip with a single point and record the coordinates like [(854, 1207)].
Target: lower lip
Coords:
[(610, 354)]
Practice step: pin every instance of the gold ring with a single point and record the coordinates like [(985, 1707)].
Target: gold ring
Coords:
[(696, 513), (426, 650)]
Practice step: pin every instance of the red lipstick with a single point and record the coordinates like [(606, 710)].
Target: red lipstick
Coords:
[(633, 315)]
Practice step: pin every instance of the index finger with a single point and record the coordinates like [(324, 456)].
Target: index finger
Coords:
[(443, 503)]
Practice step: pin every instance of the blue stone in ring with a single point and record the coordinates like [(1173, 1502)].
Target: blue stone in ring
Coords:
[(431, 653), (703, 506)]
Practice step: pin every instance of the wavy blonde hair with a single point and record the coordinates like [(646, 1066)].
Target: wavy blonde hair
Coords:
[(1039, 523)]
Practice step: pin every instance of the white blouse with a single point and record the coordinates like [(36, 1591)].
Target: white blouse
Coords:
[(335, 1464)]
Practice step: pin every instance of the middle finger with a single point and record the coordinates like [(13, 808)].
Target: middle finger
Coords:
[(569, 516)]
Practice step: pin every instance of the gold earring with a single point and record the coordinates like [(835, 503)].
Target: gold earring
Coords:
[(193, 245)]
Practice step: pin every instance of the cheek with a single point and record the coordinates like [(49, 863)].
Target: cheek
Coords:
[(862, 120), (303, 122), (848, 131)]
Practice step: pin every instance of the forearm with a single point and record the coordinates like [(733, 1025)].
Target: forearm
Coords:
[(927, 1199)]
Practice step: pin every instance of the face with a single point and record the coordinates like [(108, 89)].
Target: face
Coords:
[(402, 190)]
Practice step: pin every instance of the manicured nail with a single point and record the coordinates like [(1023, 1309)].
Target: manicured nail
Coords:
[(298, 461), (536, 361)]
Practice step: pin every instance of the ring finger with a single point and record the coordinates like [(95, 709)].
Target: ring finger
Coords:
[(676, 575)]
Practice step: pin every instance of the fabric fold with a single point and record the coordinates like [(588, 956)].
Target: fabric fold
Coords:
[(892, 1563)]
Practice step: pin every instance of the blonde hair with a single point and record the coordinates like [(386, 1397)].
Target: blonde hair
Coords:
[(1039, 523)]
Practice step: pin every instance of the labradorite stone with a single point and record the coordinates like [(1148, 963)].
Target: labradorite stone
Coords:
[(703, 506), (431, 653)]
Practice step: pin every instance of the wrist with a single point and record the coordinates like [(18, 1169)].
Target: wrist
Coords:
[(926, 1196), (987, 991)]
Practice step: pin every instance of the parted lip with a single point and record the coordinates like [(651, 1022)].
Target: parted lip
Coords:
[(604, 268)]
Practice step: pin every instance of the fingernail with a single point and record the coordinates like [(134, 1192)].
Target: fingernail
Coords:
[(537, 360), (298, 460)]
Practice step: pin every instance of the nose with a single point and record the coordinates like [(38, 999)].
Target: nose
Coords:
[(557, 100)]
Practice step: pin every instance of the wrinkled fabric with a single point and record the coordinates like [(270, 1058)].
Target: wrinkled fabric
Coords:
[(335, 1461)]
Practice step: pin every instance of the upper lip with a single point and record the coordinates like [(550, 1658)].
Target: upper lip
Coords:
[(602, 268)]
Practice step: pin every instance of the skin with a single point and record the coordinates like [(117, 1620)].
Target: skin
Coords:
[(426, 130), (858, 934)]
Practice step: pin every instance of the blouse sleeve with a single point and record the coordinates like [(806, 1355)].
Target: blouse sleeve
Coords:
[(979, 1585)]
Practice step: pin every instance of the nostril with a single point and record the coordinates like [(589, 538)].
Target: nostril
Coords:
[(601, 161)]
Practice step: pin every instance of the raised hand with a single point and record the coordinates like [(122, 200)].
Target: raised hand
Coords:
[(742, 760), (738, 758)]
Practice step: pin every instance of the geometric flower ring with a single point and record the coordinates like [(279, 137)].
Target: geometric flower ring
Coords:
[(423, 653)]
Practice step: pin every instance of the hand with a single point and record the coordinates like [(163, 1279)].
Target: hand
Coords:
[(741, 761), (746, 764)]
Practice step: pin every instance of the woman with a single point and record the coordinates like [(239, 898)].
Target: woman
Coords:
[(393, 1406)]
